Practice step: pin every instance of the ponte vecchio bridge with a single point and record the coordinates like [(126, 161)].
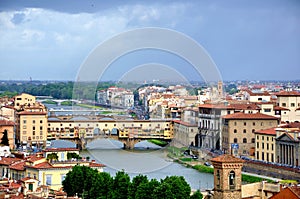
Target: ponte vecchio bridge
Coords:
[(83, 130)]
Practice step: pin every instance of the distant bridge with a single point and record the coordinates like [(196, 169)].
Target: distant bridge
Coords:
[(128, 139)]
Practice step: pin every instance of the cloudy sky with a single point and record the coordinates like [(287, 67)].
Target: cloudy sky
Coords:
[(50, 40)]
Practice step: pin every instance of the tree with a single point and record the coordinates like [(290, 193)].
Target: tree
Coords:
[(82, 180), (179, 187), (145, 190), (136, 181), (71, 155), (163, 191), (4, 139), (197, 195), (52, 156), (120, 185)]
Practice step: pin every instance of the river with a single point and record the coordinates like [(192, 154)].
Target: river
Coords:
[(150, 162), (146, 159)]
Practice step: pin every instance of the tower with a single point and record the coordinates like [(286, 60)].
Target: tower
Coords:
[(227, 177), (220, 89)]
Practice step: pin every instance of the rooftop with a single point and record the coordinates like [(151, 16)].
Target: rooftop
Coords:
[(226, 158), (250, 116)]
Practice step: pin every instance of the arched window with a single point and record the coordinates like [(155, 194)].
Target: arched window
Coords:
[(244, 140), (235, 131), (235, 140), (232, 180), (244, 131)]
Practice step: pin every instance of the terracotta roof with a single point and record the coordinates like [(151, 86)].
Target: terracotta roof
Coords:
[(93, 164), (295, 190), (27, 178), (8, 161), (244, 106), (226, 158), (6, 123), (18, 165), (288, 93), (33, 158), (249, 116), (185, 123), (59, 149), (270, 131), (32, 113), (43, 165), (278, 108)]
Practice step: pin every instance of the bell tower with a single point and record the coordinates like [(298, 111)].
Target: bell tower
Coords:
[(227, 177)]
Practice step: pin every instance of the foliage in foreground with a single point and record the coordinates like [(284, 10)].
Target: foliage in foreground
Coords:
[(92, 184)]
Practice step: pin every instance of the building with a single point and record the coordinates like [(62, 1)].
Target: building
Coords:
[(31, 128), (23, 100), (211, 122), (7, 127), (227, 177), (288, 144), (184, 133), (265, 145), (292, 192), (291, 101), (239, 128), (62, 153)]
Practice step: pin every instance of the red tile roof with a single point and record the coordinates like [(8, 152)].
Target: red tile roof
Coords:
[(7, 161), (287, 93), (43, 165), (60, 149), (18, 165), (185, 123), (249, 116), (32, 113), (6, 123), (27, 178), (244, 106), (93, 164), (278, 108), (226, 158), (270, 131), (33, 158)]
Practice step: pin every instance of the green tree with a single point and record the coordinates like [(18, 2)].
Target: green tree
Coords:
[(145, 190), (196, 195), (52, 156), (179, 187), (136, 181), (4, 139), (120, 185), (71, 155), (83, 181), (163, 191)]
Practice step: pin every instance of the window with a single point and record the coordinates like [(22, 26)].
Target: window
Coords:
[(62, 177), (33, 121), (244, 140), (261, 124), (41, 121), (48, 179), (231, 180), (267, 146), (33, 128), (235, 140), (30, 187), (257, 155), (218, 178), (262, 156), (283, 104), (257, 137), (234, 131), (245, 123), (253, 123), (28, 174), (272, 146), (263, 145), (253, 140), (267, 110), (257, 145), (24, 121), (41, 128), (267, 138), (234, 123), (244, 131), (292, 104), (253, 130)]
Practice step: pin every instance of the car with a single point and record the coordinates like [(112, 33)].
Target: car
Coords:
[(207, 164), (194, 157)]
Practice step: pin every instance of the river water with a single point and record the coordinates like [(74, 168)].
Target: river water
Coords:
[(147, 161)]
